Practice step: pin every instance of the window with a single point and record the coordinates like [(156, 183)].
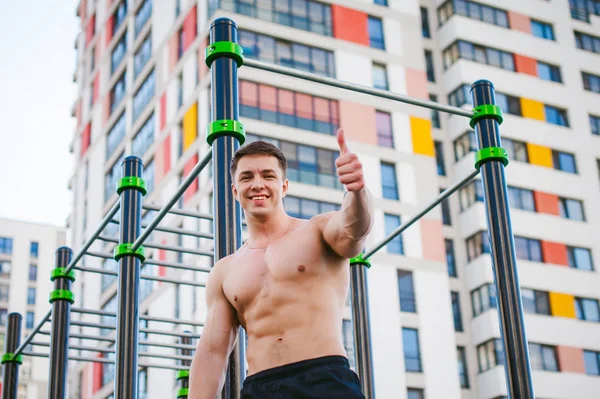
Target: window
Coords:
[(5, 268), (4, 293), (177, 8), (581, 9), (425, 31), (389, 183), (587, 42), (143, 383), (580, 258), (592, 362), (3, 317), (450, 258), (142, 55), (149, 176), (466, 144), (119, 16), (115, 135), (380, 2), (456, 313), (179, 90), (6, 245), (111, 307), (406, 292), (304, 208), (108, 369), (29, 319), (564, 161), (285, 107), (483, 299), (144, 137), (385, 135), (414, 393), (490, 354), (376, 33), (517, 150), (474, 52), (472, 10), (542, 29), (460, 96), (571, 209), (289, 54), (34, 249), (591, 82), (556, 116), (107, 280), (380, 80), (521, 198), (144, 95), (435, 114), (439, 158), (528, 249), (509, 104), (412, 355), (477, 244), (548, 72), (117, 92), (429, 66), (543, 357), (446, 216), (348, 338), (142, 16), (463, 371), (31, 295), (111, 178), (587, 309), (32, 272), (391, 223), (536, 302), (595, 124), (118, 53)]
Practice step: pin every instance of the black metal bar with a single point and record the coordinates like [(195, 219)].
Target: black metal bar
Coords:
[(61, 319), (10, 361), (36, 330), (183, 377), (181, 212), (127, 335), (165, 247), (175, 230), (142, 317), (502, 245), (227, 212)]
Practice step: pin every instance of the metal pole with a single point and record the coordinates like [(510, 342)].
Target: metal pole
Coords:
[(361, 322), (127, 335), (227, 212), (183, 376), (10, 361), (61, 299), (510, 306)]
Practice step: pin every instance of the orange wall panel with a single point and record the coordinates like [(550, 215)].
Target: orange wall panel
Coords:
[(173, 47), (526, 65), (189, 28), (555, 253), (358, 122), (163, 112), (193, 188), (350, 25), (96, 88), (519, 22), (86, 138), (570, 359), (416, 83), (433, 240), (97, 381), (90, 30), (546, 203), (109, 29)]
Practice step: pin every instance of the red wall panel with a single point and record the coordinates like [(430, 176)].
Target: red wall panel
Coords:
[(189, 28), (193, 188), (525, 65), (163, 112), (350, 25), (555, 253), (90, 30)]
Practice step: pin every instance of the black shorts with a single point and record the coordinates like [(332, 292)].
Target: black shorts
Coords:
[(323, 377)]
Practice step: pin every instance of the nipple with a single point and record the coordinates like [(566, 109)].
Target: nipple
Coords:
[(235, 298), (301, 268)]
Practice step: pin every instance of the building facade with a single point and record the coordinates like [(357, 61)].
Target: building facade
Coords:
[(144, 90), (27, 257)]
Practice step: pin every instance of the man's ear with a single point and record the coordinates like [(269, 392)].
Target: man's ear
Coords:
[(234, 191), (285, 188)]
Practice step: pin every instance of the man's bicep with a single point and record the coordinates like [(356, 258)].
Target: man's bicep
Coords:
[(330, 226)]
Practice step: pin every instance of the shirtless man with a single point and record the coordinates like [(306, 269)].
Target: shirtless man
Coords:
[(286, 285)]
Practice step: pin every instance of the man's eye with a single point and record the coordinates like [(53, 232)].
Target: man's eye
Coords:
[(270, 177)]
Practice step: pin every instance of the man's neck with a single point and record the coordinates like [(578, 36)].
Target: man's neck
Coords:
[(262, 231)]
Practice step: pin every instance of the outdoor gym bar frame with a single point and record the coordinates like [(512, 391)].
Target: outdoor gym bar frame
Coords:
[(225, 134)]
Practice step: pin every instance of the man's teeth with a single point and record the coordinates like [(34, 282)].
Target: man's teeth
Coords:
[(259, 198)]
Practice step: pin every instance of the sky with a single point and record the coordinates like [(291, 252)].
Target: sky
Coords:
[(37, 61)]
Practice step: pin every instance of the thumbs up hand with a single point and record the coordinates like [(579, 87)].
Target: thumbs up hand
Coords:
[(349, 168)]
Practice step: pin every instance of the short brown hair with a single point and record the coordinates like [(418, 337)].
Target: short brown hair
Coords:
[(258, 147)]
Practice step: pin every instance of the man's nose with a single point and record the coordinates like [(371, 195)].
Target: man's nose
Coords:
[(257, 183)]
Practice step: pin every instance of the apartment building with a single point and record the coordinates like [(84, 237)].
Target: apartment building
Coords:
[(145, 90), (27, 257)]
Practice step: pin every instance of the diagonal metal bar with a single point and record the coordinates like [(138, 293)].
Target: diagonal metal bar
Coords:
[(29, 337)]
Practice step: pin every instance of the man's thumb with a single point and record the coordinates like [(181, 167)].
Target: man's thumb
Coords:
[(342, 141)]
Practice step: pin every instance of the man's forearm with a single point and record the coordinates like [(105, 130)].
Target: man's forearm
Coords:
[(207, 375), (357, 214)]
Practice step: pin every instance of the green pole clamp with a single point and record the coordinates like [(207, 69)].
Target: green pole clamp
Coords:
[(62, 295), (360, 260), (11, 358), (60, 272), (183, 392), (182, 374), (225, 127), (131, 182), (224, 49), (490, 154), (125, 249), (486, 111)]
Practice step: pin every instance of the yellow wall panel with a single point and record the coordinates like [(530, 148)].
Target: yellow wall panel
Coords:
[(539, 155), (532, 109), (190, 126), (562, 305), (421, 136)]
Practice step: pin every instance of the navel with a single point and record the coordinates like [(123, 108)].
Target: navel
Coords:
[(301, 268)]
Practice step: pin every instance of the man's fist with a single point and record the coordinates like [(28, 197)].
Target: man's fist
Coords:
[(349, 168)]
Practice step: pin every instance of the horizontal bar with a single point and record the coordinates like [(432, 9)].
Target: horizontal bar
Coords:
[(112, 340), (143, 317), (172, 334), (108, 255), (79, 358), (78, 347), (165, 247), (144, 277), (30, 336), (163, 366), (84, 336), (181, 212), (174, 230), (252, 63), (443, 195), (92, 325), (178, 193), (171, 357), (166, 345)]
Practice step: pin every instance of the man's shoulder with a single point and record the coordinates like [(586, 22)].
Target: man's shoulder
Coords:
[(321, 219)]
